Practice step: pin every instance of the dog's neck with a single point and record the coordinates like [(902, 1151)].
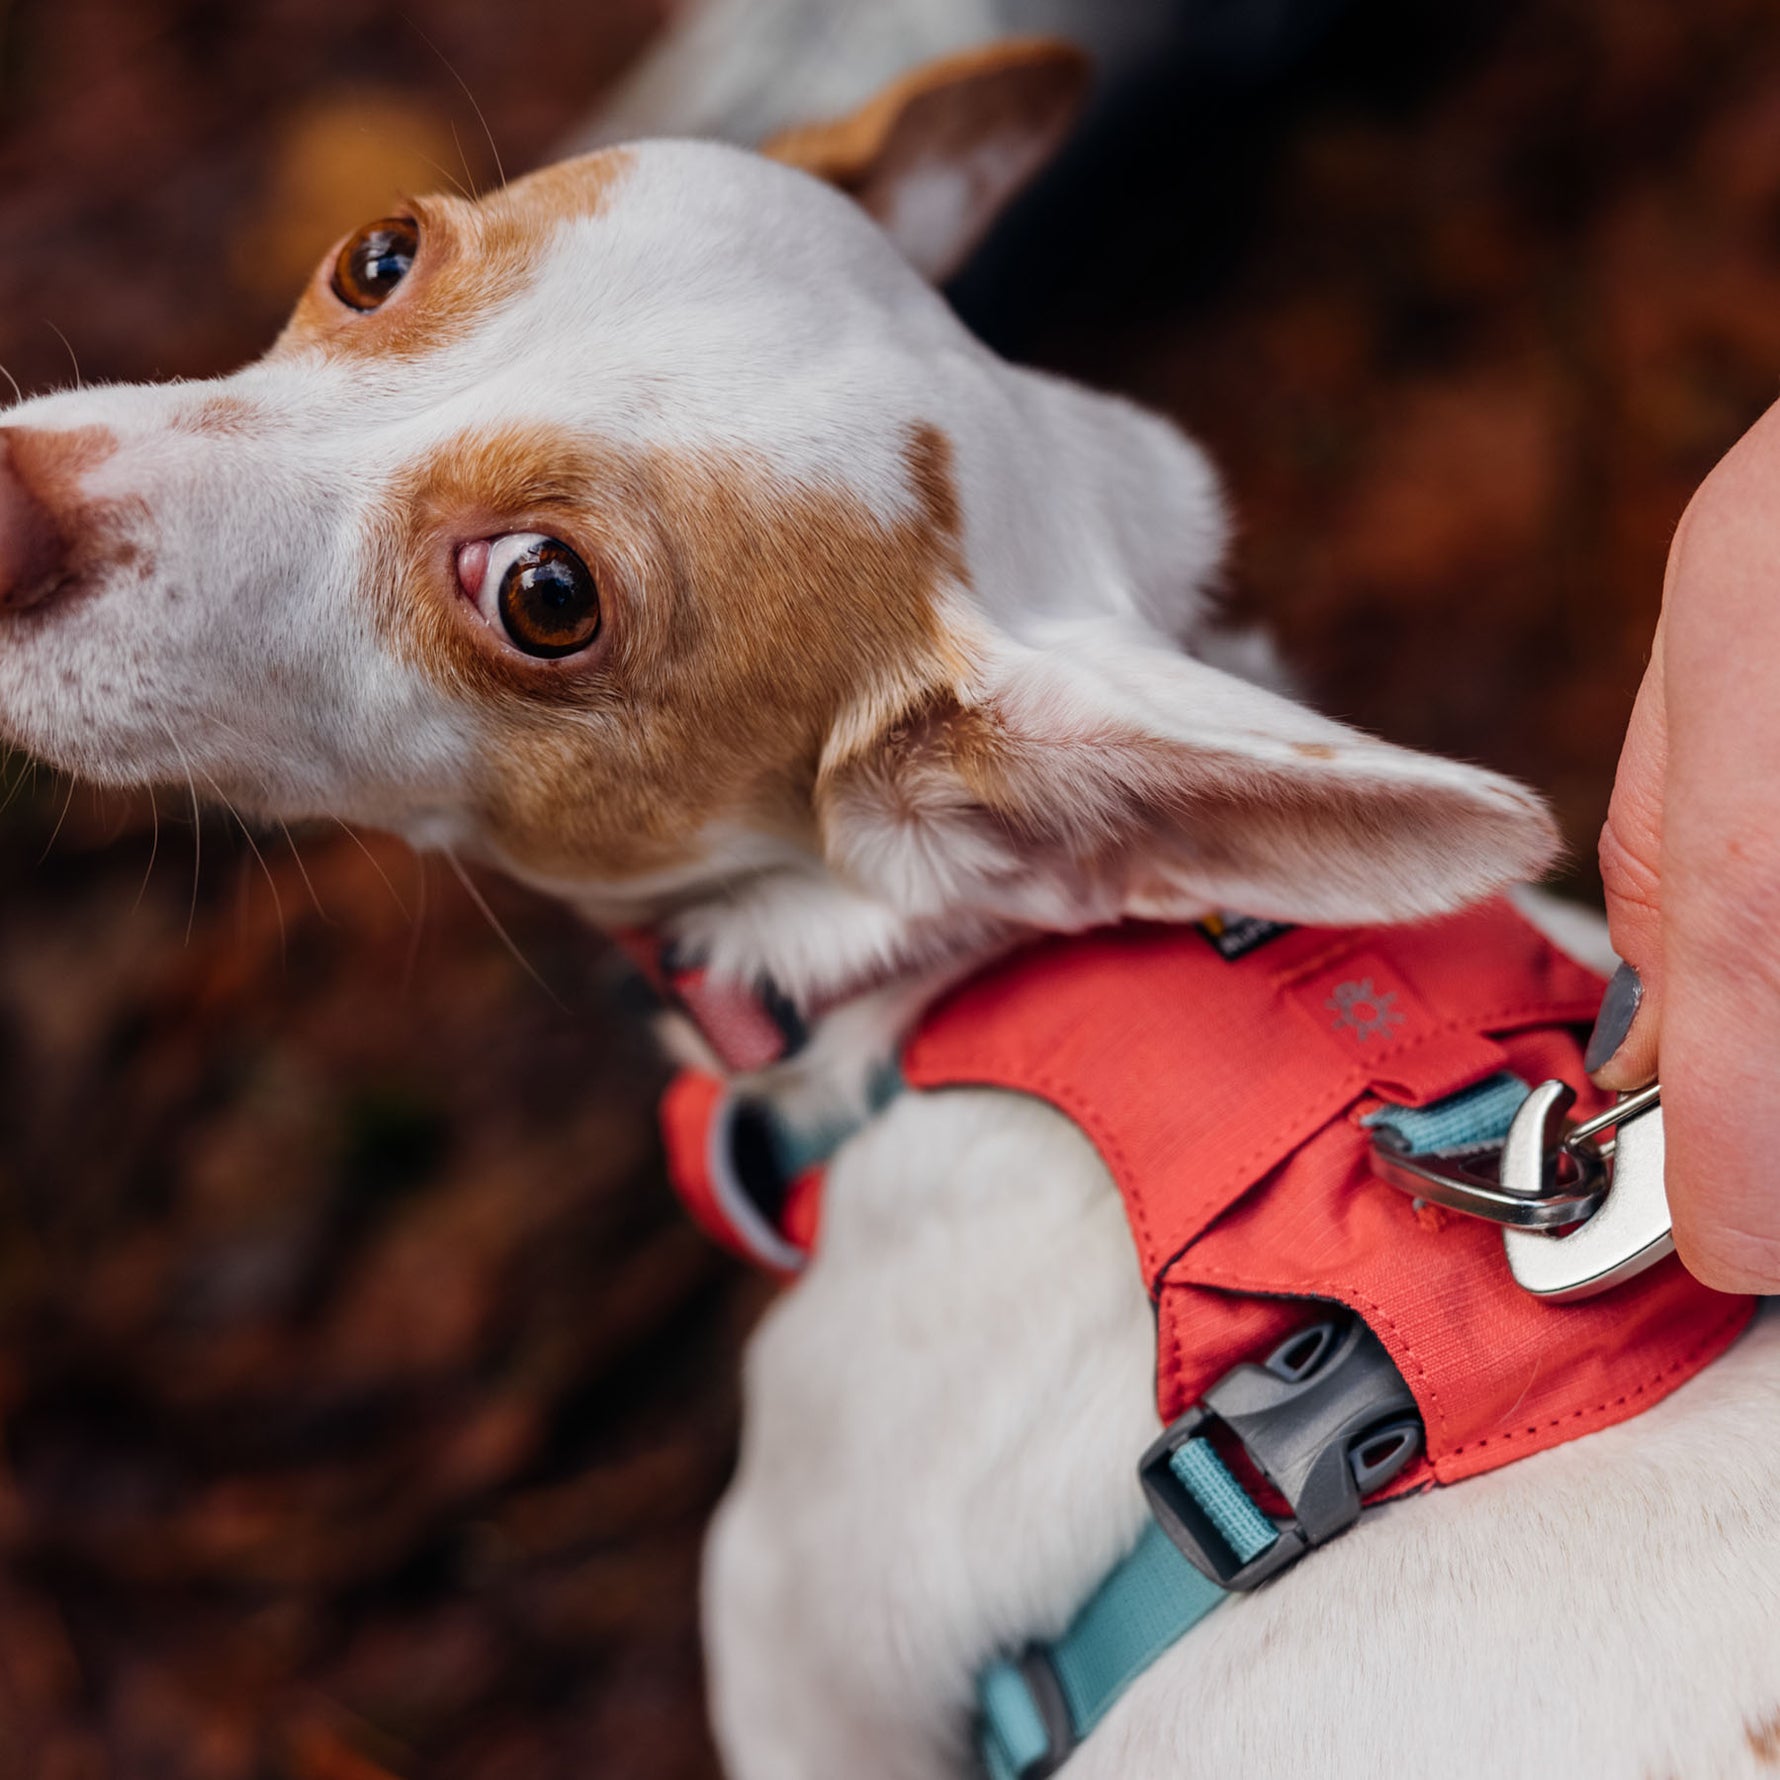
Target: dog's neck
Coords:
[(796, 985)]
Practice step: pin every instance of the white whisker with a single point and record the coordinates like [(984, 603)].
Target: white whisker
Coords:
[(266, 870), (303, 871), (154, 850), (197, 829), (78, 383), (67, 804), (376, 865), (506, 939), (464, 86)]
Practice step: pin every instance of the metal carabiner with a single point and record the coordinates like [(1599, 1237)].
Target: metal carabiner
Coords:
[(1470, 1181), (1580, 1210), (1630, 1231)]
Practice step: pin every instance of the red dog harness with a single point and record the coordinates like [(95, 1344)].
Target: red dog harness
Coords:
[(1226, 1079), (1227, 1097)]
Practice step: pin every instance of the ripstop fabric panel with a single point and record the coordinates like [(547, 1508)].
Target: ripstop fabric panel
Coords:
[(1225, 1096)]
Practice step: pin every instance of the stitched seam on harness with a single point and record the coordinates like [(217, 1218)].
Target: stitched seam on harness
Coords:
[(1010, 1070), (1728, 1327), (1348, 1295), (1319, 1112), (1111, 1152), (1479, 1024), (1359, 1300)]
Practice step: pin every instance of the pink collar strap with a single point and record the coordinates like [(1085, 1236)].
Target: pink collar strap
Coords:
[(746, 1027)]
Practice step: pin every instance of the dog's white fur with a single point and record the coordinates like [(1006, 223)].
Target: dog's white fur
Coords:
[(943, 1417)]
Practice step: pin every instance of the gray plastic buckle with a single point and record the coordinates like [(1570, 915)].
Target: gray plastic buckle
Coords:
[(1326, 1418)]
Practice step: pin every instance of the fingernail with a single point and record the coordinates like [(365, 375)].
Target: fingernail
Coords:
[(1619, 1007)]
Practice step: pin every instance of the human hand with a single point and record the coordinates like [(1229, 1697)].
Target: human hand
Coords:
[(1690, 858)]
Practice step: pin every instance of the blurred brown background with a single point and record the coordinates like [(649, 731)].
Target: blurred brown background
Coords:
[(361, 1393)]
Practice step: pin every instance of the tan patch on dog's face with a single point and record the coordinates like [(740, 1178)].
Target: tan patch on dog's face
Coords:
[(226, 416), (742, 616), (51, 463), (1764, 1739), (96, 533), (473, 258)]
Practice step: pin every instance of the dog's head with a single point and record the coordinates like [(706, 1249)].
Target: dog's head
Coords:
[(652, 528)]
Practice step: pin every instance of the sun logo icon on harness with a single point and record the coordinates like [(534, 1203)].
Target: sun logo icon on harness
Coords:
[(1365, 1011)]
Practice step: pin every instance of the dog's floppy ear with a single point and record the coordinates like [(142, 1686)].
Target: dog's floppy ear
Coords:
[(1117, 779), (938, 153)]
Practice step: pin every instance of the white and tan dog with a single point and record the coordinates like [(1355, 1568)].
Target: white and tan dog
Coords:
[(652, 530)]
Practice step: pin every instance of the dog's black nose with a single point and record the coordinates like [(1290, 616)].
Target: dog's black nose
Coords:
[(33, 550)]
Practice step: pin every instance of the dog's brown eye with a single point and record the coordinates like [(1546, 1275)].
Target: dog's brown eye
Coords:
[(546, 597), (375, 261)]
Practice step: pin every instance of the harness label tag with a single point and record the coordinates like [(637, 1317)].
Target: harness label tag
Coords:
[(1234, 936)]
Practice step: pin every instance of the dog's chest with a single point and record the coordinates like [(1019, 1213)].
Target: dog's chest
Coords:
[(938, 1436)]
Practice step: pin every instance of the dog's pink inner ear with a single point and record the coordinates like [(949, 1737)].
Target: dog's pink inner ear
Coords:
[(937, 154)]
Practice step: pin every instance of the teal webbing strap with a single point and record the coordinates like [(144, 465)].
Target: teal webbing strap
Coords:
[(1151, 1600), (1135, 1615), (796, 1148), (1156, 1595), (1470, 1119), (1240, 1524)]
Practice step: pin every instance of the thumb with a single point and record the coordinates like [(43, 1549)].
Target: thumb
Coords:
[(1622, 1052)]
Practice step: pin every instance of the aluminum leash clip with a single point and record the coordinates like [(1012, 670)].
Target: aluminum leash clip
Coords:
[(1581, 1210), (1629, 1232)]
